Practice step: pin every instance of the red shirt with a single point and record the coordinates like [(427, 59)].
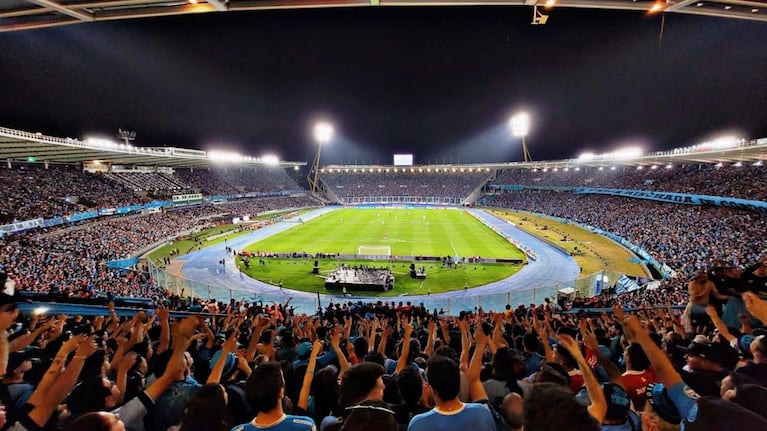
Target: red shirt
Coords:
[(635, 382)]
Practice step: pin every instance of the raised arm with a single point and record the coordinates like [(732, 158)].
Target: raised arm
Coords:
[(660, 362), (164, 315), (45, 402), (335, 343), (25, 340), (465, 344), (303, 397), (57, 366), (229, 346), (720, 325), (543, 335), (403, 356), (756, 306), (598, 407), (476, 389), (432, 328), (590, 340)]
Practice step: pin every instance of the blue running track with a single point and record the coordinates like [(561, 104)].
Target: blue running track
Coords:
[(541, 278)]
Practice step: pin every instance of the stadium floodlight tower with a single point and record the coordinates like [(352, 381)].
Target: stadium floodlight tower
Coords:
[(323, 133), (520, 127)]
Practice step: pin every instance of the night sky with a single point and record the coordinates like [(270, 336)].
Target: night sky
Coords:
[(437, 82)]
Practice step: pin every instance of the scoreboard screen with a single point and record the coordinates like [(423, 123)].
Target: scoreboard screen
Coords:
[(403, 160)]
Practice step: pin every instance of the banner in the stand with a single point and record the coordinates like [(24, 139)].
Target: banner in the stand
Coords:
[(679, 198), (670, 197), (21, 225)]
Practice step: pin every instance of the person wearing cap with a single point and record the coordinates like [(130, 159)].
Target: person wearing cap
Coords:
[(756, 369), (304, 350), (672, 404), (619, 416), (15, 391)]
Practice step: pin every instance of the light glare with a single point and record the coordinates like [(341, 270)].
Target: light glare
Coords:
[(323, 132), (520, 124), (270, 159)]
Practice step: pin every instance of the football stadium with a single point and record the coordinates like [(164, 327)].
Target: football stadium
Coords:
[(156, 285)]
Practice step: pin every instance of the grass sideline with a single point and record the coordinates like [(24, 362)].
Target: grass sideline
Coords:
[(409, 232), (595, 252), (186, 244)]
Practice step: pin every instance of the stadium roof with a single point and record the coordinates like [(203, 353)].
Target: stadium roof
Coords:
[(744, 152), (28, 14), (20, 146)]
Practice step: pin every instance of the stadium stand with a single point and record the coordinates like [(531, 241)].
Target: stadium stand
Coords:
[(747, 182), (155, 184), (383, 366), (30, 191), (370, 184), (236, 181)]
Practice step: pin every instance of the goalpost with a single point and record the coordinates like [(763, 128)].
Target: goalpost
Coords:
[(374, 250)]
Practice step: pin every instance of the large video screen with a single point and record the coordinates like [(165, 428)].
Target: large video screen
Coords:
[(403, 160)]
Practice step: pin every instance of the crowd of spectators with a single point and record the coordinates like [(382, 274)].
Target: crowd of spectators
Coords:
[(745, 182), (30, 191), (416, 184), (237, 180), (380, 367), (72, 261), (154, 183), (684, 237)]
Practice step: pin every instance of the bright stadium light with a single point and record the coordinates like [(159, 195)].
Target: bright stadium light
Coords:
[(627, 153), (224, 156), (270, 159), (587, 156), (323, 132), (101, 142), (520, 127)]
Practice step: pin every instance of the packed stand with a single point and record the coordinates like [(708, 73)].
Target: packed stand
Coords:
[(416, 184), (684, 237), (155, 184), (745, 182), (380, 367), (72, 261), (31, 191), (237, 180)]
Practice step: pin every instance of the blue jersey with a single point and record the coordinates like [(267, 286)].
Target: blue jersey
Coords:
[(472, 416), (286, 423)]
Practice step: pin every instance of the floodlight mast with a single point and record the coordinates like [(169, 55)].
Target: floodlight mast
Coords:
[(126, 136), (323, 133), (520, 127)]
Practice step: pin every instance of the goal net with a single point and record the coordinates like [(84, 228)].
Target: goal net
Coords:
[(374, 250)]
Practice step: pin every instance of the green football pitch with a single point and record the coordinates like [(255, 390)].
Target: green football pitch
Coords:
[(407, 232), (399, 232)]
